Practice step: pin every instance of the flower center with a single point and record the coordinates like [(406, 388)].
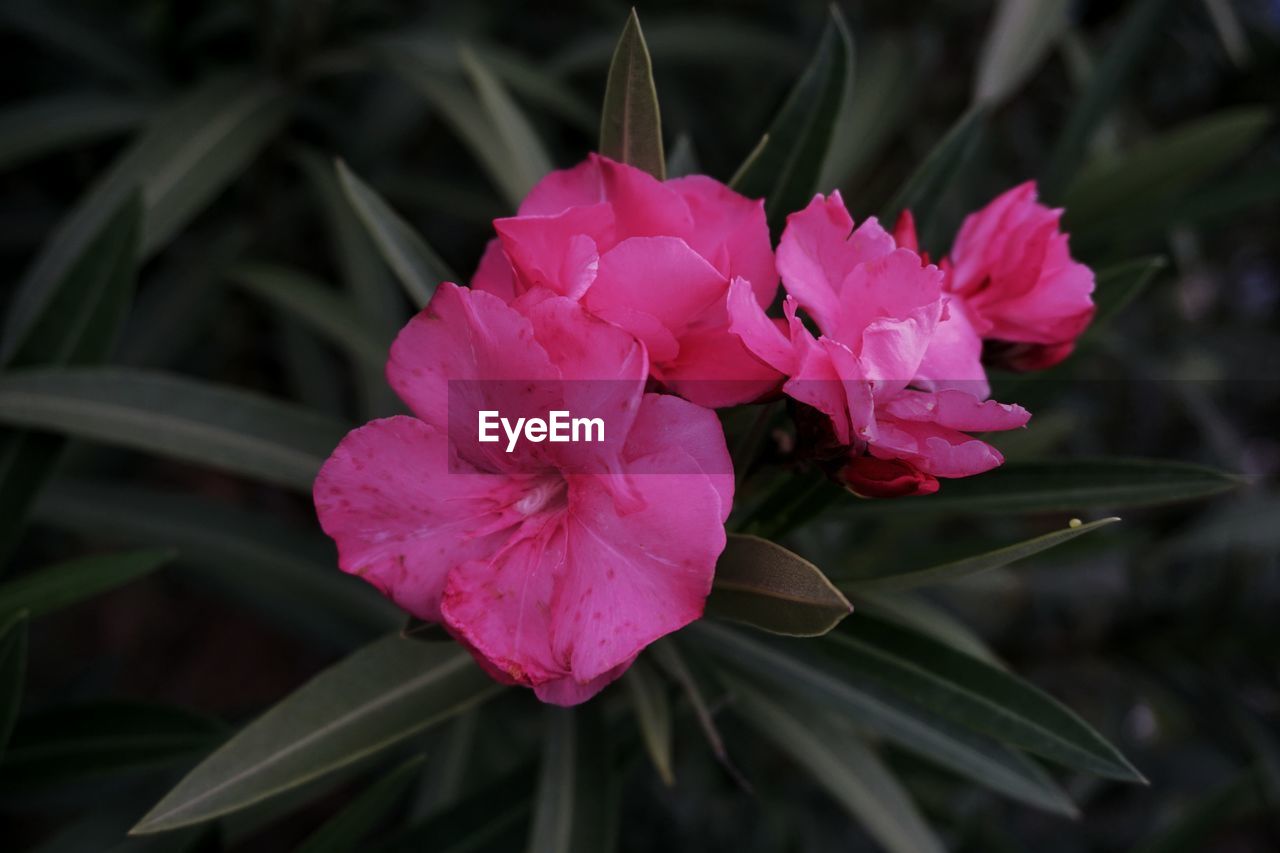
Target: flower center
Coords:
[(543, 493)]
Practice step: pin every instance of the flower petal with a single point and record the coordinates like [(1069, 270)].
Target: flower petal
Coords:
[(403, 511)]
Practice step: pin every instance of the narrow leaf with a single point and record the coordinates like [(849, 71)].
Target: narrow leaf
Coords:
[(962, 688), (925, 188), (13, 670), (74, 742), (527, 155), (222, 427), (1021, 36), (79, 325), (849, 771), (972, 565), (189, 153), (786, 164), (1033, 487), (1125, 186), (1118, 286), (372, 699), (322, 309), (57, 586), (765, 585), (573, 808), (415, 264), (349, 827), (1109, 80), (630, 120), (41, 126), (653, 712), (284, 573), (796, 666), (468, 118), (668, 656)]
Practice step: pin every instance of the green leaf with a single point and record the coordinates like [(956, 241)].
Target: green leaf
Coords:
[(57, 586), (79, 325), (189, 153), (227, 428), (653, 712), (527, 155), (630, 120), (43, 125), (415, 264), (1117, 189), (887, 81), (1109, 80), (1034, 487), (73, 32), (1021, 36), (73, 742), (370, 700), (765, 585), (574, 806), (849, 771), (322, 309), (926, 187), (463, 111), (972, 565), (285, 573), (1118, 286), (927, 618), (796, 666), (13, 671), (345, 830), (962, 688), (786, 164), (667, 655)]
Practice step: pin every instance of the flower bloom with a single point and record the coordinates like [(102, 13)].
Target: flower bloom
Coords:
[(557, 564), (879, 311), (654, 257), (1012, 282)]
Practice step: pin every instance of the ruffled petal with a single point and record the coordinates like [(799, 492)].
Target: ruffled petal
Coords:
[(404, 511)]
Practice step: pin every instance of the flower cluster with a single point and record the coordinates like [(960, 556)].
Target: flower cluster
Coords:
[(648, 302)]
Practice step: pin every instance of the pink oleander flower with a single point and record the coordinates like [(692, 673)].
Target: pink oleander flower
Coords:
[(879, 311), (1012, 282), (654, 257), (555, 564)]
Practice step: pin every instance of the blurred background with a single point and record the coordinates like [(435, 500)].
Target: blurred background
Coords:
[(1162, 631)]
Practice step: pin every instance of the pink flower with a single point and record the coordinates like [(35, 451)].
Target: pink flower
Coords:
[(879, 312), (655, 258), (1013, 282), (555, 564)]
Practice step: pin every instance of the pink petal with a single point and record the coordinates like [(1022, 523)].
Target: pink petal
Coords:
[(494, 273), (665, 422), (565, 188), (465, 352), (715, 370), (502, 605), (954, 356), (403, 511), (934, 449), (631, 579), (659, 276), (730, 231), (761, 335), (813, 257), (558, 252), (955, 409), (643, 205)]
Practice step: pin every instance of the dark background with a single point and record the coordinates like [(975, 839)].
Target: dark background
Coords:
[(1162, 632)]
